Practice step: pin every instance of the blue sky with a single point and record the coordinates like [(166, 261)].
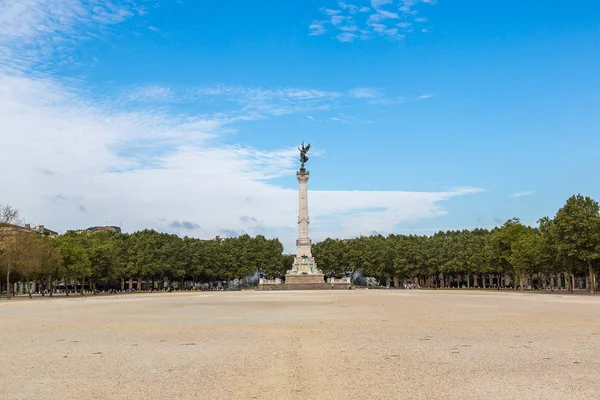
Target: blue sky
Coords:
[(422, 115)]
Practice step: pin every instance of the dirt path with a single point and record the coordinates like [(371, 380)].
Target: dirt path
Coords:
[(302, 345)]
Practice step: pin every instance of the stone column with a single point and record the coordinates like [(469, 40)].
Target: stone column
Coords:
[(303, 243)]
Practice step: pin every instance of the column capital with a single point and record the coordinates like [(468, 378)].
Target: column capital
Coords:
[(302, 175)]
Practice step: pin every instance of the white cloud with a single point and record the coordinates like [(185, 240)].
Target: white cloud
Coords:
[(388, 14), (365, 93), (346, 37), (379, 3), (357, 21), (427, 96), (69, 161), (521, 194), (328, 11), (317, 29), (337, 19), (143, 170), (258, 102), (352, 9), (31, 31), (150, 93)]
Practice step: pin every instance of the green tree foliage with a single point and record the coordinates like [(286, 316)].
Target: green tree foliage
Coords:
[(76, 265), (569, 244), (526, 257), (502, 242), (29, 256), (578, 232), (459, 258)]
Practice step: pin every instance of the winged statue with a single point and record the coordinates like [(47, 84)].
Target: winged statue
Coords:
[(303, 151)]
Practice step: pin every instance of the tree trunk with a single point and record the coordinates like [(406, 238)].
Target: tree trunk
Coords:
[(122, 285), (591, 282), (569, 279), (559, 281), (139, 284), (8, 283), (50, 286), (468, 281), (82, 286), (29, 285)]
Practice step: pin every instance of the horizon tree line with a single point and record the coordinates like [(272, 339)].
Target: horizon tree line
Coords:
[(552, 254), (562, 248)]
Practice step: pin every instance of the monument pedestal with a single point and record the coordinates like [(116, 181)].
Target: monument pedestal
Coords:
[(305, 282), (294, 279), (304, 273)]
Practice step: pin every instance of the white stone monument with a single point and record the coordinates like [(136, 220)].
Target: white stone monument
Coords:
[(304, 269)]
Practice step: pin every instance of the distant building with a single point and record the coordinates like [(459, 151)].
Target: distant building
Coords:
[(215, 239), (18, 229), (14, 229), (104, 229), (42, 230)]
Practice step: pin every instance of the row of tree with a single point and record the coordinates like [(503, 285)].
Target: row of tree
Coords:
[(111, 259), (567, 245)]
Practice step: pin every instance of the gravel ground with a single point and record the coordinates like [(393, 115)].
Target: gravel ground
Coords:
[(363, 344)]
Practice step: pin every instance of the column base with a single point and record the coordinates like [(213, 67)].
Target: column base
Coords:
[(294, 279)]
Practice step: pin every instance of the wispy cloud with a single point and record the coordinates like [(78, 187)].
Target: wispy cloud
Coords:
[(392, 19), (150, 93), (31, 31), (239, 103), (365, 93), (427, 96), (146, 167), (317, 28), (521, 194), (259, 102)]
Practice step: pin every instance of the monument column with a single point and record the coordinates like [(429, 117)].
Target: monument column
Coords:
[(304, 270), (303, 244)]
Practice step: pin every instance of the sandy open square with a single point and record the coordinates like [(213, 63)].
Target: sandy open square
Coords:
[(362, 344)]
